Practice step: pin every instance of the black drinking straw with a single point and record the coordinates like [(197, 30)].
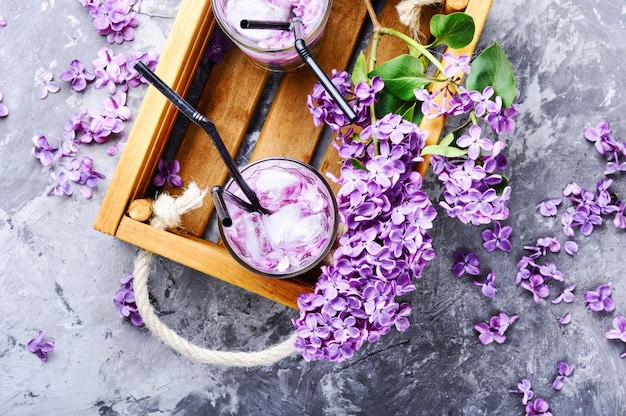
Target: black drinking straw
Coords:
[(264, 24), (220, 206), (305, 55), (193, 115)]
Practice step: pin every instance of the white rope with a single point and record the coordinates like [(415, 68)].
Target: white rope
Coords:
[(410, 14), (167, 212)]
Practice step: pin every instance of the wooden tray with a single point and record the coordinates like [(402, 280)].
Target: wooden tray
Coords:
[(229, 98)]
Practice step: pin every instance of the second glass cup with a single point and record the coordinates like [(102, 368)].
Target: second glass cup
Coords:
[(269, 48)]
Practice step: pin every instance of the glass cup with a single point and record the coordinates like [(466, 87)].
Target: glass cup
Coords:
[(300, 229), (269, 48)]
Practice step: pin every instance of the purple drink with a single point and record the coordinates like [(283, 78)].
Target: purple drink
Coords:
[(301, 228), (269, 48)]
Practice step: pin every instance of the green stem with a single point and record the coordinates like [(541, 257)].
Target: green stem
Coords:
[(415, 44)]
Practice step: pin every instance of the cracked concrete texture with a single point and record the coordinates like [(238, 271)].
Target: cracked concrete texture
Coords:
[(58, 274)]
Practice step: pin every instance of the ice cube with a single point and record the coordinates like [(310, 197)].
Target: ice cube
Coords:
[(275, 180), (280, 225)]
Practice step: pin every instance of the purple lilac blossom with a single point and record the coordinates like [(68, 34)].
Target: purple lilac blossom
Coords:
[(3, 22), (607, 146), (77, 75), (539, 407), (4, 110), (474, 142), (591, 208), (498, 238), (114, 19), (619, 330), (570, 247), (61, 185), (534, 276), (386, 245), (548, 208), (565, 319), (524, 387), (495, 329), (567, 296), (488, 286), (40, 347), (455, 64), (43, 151), (124, 299), (218, 45), (94, 125), (564, 370), (465, 263), (168, 173), (48, 85), (600, 299)]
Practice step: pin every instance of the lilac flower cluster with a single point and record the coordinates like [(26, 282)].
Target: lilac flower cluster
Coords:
[(607, 146), (533, 275), (540, 406), (387, 215), (92, 125), (325, 111), (591, 208), (40, 347), (124, 299), (471, 181), (115, 19), (471, 193), (495, 329)]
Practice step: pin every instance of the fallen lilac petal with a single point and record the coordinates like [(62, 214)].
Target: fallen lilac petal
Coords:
[(564, 369), (557, 384), (565, 319), (3, 22), (4, 110), (549, 208), (40, 347), (524, 387), (619, 329), (571, 247), (600, 299)]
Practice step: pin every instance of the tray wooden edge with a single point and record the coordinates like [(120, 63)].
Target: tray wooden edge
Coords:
[(210, 259)]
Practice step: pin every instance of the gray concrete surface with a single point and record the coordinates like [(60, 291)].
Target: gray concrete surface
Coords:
[(60, 275)]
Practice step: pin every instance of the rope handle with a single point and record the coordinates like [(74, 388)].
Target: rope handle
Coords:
[(167, 212)]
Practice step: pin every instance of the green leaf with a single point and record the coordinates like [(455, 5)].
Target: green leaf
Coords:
[(402, 75), (492, 68), (447, 140), (357, 164), (359, 73), (447, 151), (455, 30), (409, 114), (388, 103)]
